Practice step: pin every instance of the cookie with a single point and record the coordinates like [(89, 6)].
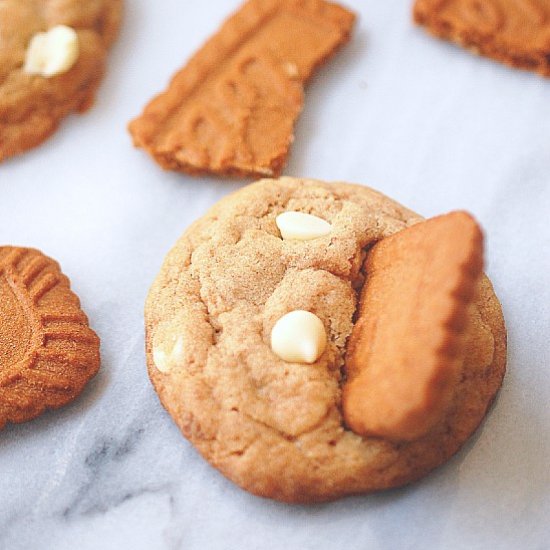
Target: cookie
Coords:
[(231, 110), (248, 329), (52, 58), (47, 350), (514, 32)]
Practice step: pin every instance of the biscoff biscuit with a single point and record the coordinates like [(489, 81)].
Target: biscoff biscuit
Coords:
[(408, 344), (47, 350), (36, 93), (231, 110), (514, 32), (238, 356)]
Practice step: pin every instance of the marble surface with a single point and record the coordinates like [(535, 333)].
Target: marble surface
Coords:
[(426, 123)]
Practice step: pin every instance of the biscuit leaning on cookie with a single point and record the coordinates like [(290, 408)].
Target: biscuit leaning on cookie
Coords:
[(47, 350), (409, 341), (52, 59), (350, 348)]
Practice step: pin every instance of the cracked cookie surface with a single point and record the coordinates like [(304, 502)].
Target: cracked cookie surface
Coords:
[(31, 106), (276, 428)]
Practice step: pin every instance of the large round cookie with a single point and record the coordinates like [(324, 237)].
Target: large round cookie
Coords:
[(276, 428), (31, 106)]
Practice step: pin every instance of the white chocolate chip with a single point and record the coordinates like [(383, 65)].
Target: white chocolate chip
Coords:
[(302, 227), (166, 357), (161, 360), (53, 52), (299, 337)]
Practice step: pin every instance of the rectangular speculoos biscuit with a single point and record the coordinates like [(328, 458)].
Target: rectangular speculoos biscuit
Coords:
[(231, 110), (515, 32)]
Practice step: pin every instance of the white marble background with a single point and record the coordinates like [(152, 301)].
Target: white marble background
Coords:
[(426, 123)]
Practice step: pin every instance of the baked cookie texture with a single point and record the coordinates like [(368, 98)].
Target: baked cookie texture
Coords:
[(47, 350), (231, 110), (276, 428), (514, 32), (31, 106)]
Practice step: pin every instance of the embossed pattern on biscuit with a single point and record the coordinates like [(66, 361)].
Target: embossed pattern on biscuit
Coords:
[(515, 32), (47, 350), (231, 110)]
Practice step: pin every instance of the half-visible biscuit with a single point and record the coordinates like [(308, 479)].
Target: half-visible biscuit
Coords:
[(32, 105), (408, 344), (47, 350), (231, 110), (515, 32)]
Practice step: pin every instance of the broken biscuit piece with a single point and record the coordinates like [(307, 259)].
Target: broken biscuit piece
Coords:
[(408, 343), (52, 59), (231, 110), (514, 32)]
